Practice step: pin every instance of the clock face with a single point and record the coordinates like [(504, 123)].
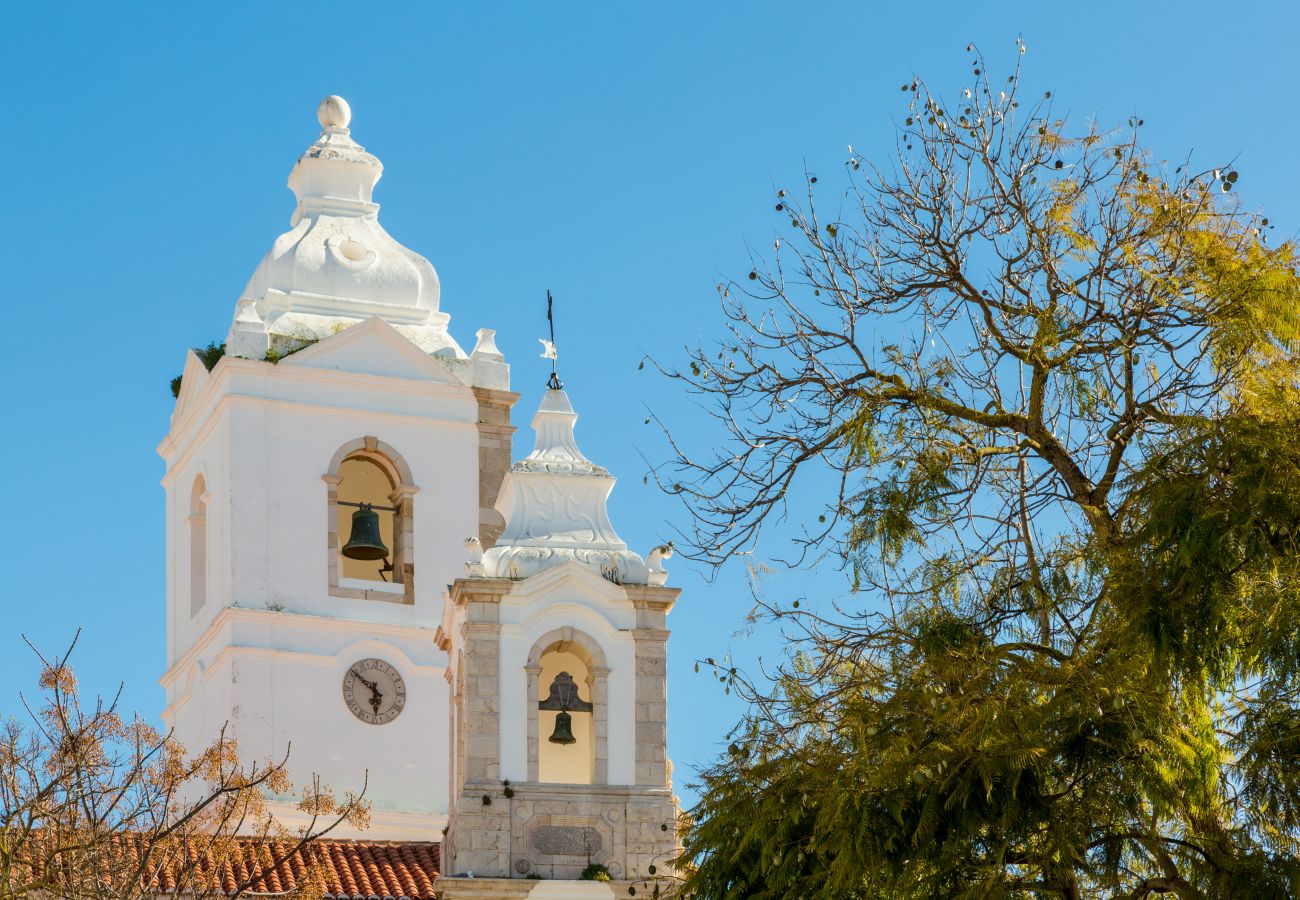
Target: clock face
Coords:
[(374, 691)]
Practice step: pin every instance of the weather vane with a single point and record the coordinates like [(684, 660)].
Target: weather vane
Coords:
[(548, 347)]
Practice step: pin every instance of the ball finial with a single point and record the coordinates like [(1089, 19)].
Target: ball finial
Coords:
[(334, 111)]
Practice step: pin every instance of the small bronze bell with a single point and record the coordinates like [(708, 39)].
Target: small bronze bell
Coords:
[(365, 542), (563, 733)]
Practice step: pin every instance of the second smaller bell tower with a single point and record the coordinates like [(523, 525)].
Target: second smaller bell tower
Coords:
[(556, 639)]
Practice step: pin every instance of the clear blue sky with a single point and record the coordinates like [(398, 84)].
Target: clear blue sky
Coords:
[(624, 157)]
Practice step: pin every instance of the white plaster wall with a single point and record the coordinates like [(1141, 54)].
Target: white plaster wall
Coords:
[(279, 555), (275, 680), (268, 651), (208, 458), (263, 436)]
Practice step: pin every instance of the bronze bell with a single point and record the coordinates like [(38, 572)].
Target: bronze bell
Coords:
[(563, 733), (365, 542)]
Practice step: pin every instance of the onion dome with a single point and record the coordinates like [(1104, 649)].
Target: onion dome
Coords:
[(337, 265)]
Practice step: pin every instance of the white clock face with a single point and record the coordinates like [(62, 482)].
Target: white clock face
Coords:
[(374, 691)]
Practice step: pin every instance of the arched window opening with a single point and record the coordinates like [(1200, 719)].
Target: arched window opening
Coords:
[(367, 470), (198, 527), (373, 529), (566, 750)]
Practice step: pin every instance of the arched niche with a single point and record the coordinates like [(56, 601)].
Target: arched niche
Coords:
[(370, 471), (197, 523), (556, 651)]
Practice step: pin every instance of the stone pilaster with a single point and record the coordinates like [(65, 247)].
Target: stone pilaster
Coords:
[(599, 685), (402, 499), (495, 436), (532, 671), (651, 707), (651, 647), (478, 833)]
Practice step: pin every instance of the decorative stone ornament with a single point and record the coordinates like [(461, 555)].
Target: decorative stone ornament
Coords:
[(554, 503), (334, 112), (563, 695)]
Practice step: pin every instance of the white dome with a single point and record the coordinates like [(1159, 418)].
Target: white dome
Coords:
[(337, 265)]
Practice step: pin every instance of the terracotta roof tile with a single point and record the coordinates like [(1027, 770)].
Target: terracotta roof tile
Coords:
[(348, 869)]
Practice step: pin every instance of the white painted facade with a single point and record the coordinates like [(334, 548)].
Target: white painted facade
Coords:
[(268, 648), (339, 354)]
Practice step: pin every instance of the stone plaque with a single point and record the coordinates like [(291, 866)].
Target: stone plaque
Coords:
[(567, 840)]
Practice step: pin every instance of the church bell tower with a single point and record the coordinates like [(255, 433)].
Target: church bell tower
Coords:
[(341, 400), (556, 639), (355, 570)]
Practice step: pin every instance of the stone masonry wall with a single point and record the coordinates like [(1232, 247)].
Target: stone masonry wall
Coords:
[(495, 437), (554, 831), (478, 837)]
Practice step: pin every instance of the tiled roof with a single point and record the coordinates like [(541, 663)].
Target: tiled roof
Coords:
[(348, 869), (351, 869)]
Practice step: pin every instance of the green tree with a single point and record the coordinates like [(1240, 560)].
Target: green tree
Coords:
[(1048, 385)]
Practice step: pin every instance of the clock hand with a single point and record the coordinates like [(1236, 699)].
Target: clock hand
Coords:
[(374, 688)]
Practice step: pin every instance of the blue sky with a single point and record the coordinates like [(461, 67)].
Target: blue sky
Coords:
[(624, 156)]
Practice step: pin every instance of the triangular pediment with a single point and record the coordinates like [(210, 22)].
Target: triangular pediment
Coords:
[(567, 580), (372, 347), (194, 378)]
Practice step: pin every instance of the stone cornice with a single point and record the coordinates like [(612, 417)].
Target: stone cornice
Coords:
[(232, 614), (479, 590), (496, 397), (217, 396)]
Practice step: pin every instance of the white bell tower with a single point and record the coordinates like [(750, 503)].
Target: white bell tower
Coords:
[(340, 395), (556, 640)]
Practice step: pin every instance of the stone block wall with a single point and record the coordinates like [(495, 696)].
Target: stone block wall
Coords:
[(554, 831), (533, 830), (495, 437)]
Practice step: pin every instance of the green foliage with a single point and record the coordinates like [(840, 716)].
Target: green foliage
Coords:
[(595, 872), (215, 351), (282, 347), (1057, 389), (208, 355)]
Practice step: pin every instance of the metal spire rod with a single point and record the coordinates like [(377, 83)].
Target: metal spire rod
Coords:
[(553, 383)]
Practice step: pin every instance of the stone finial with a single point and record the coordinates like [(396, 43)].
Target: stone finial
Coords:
[(487, 344), (474, 556), (334, 112), (658, 575)]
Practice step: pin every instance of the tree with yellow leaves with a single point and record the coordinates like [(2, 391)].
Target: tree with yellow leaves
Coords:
[(93, 805), (1048, 390)]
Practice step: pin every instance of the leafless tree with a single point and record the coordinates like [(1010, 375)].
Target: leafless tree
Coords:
[(95, 805)]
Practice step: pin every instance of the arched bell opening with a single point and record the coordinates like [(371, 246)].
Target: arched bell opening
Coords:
[(566, 752), (367, 521), (567, 675), (370, 516)]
